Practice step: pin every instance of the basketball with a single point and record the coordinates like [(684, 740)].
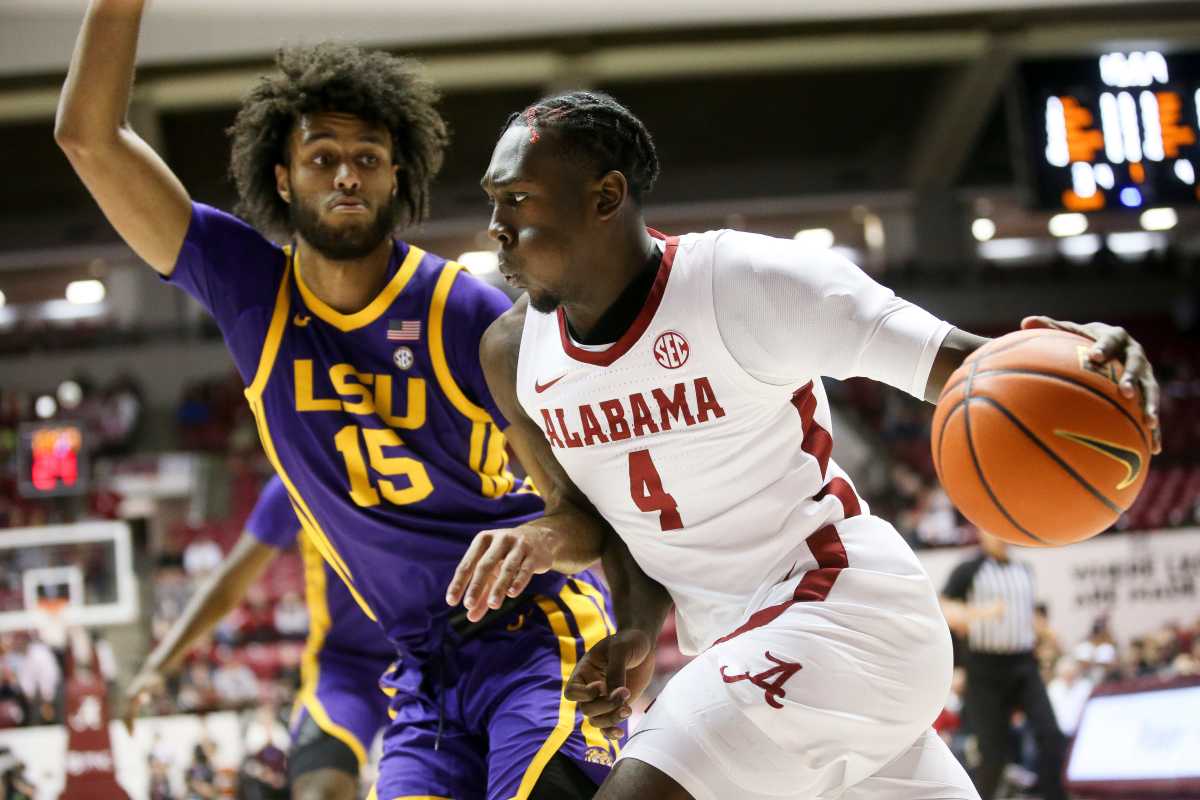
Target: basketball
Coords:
[(1034, 442)]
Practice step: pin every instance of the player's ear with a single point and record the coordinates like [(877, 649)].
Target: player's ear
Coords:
[(282, 185), (395, 179), (611, 191)]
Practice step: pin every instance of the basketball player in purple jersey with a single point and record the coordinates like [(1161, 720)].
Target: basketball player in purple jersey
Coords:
[(340, 708), (361, 358)]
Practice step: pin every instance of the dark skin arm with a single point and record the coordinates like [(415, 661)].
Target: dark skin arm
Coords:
[(1112, 342), (134, 187), (568, 538), (223, 591)]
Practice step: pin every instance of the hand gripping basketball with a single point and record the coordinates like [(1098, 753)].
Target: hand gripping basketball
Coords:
[(611, 676)]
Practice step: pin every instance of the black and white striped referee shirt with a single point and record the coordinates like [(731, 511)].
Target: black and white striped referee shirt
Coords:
[(981, 582)]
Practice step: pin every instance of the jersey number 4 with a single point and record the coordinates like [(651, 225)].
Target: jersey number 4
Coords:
[(361, 491), (645, 486)]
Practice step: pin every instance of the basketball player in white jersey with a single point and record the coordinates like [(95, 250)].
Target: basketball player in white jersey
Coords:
[(677, 381)]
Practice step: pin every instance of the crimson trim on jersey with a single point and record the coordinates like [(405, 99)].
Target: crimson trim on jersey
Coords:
[(605, 358), (817, 441), (825, 544)]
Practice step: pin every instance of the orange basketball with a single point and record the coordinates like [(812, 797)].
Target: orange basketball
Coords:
[(1034, 442)]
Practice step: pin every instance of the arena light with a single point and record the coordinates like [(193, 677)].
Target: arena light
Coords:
[(1159, 219), (815, 238), (3, 299), (1079, 247), (1068, 224), (45, 407), (1134, 243), (480, 262), (70, 394), (1008, 249), (82, 293), (983, 229)]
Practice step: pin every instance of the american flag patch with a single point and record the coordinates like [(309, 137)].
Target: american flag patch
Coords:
[(404, 330)]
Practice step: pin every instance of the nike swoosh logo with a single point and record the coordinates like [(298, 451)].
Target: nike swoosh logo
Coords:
[(541, 387), (637, 733), (301, 320), (1130, 459)]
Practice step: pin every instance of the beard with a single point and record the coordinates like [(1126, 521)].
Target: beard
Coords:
[(343, 243), (543, 302)]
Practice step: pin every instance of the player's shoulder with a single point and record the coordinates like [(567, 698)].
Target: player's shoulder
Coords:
[(210, 225), (501, 342)]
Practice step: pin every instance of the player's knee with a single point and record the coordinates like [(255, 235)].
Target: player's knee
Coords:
[(632, 780), (324, 784)]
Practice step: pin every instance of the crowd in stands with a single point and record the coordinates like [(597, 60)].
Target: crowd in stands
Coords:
[(1072, 671)]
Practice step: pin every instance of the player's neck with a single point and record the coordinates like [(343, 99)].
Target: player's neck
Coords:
[(345, 286), (616, 300)]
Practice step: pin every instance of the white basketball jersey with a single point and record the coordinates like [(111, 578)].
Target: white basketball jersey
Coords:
[(713, 478)]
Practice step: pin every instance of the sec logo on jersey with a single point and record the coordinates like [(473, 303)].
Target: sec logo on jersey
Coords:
[(671, 350)]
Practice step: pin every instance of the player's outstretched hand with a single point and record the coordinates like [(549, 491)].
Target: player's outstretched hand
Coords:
[(145, 686), (610, 677), (499, 563), (1115, 342)]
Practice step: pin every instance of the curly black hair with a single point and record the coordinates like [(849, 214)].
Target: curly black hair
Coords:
[(597, 128), (335, 76)]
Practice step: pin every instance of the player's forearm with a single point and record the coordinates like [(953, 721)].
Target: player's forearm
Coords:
[(639, 602), (219, 595), (95, 96), (576, 538), (957, 345)]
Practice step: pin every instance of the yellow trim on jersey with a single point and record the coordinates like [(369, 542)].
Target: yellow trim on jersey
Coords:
[(319, 623), (487, 442), (266, 363), (599, 626), (373, 795), (367, 315), (591, 628)]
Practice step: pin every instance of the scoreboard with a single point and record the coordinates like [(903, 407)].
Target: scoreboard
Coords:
[(51, 459), (1118, 130)]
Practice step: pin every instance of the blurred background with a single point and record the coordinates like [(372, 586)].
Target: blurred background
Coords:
[(987, 159)]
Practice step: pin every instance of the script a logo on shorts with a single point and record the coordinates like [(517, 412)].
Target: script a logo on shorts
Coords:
[(403, 357), (770, 680), (671, 350), (1130, 459)]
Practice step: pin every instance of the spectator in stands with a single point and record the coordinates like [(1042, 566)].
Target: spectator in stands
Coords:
[(1047, 648), (989, 599), (1097, 654), (40, 677), (160, 780), (13, 783), (291, 617), (14, 708), (201, 556), (1068, 692), (197, 692), (235, 683), (201, 775)]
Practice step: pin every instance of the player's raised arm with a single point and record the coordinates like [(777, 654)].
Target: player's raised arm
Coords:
[(222, 592), (135, 189), (569, 537)]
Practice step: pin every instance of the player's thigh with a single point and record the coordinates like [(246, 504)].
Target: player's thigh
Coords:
[(324, 784), (633, 780), (925, 771), (514, 692), (810, 703)]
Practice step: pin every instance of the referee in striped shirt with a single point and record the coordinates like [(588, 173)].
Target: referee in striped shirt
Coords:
[(989, 602)]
